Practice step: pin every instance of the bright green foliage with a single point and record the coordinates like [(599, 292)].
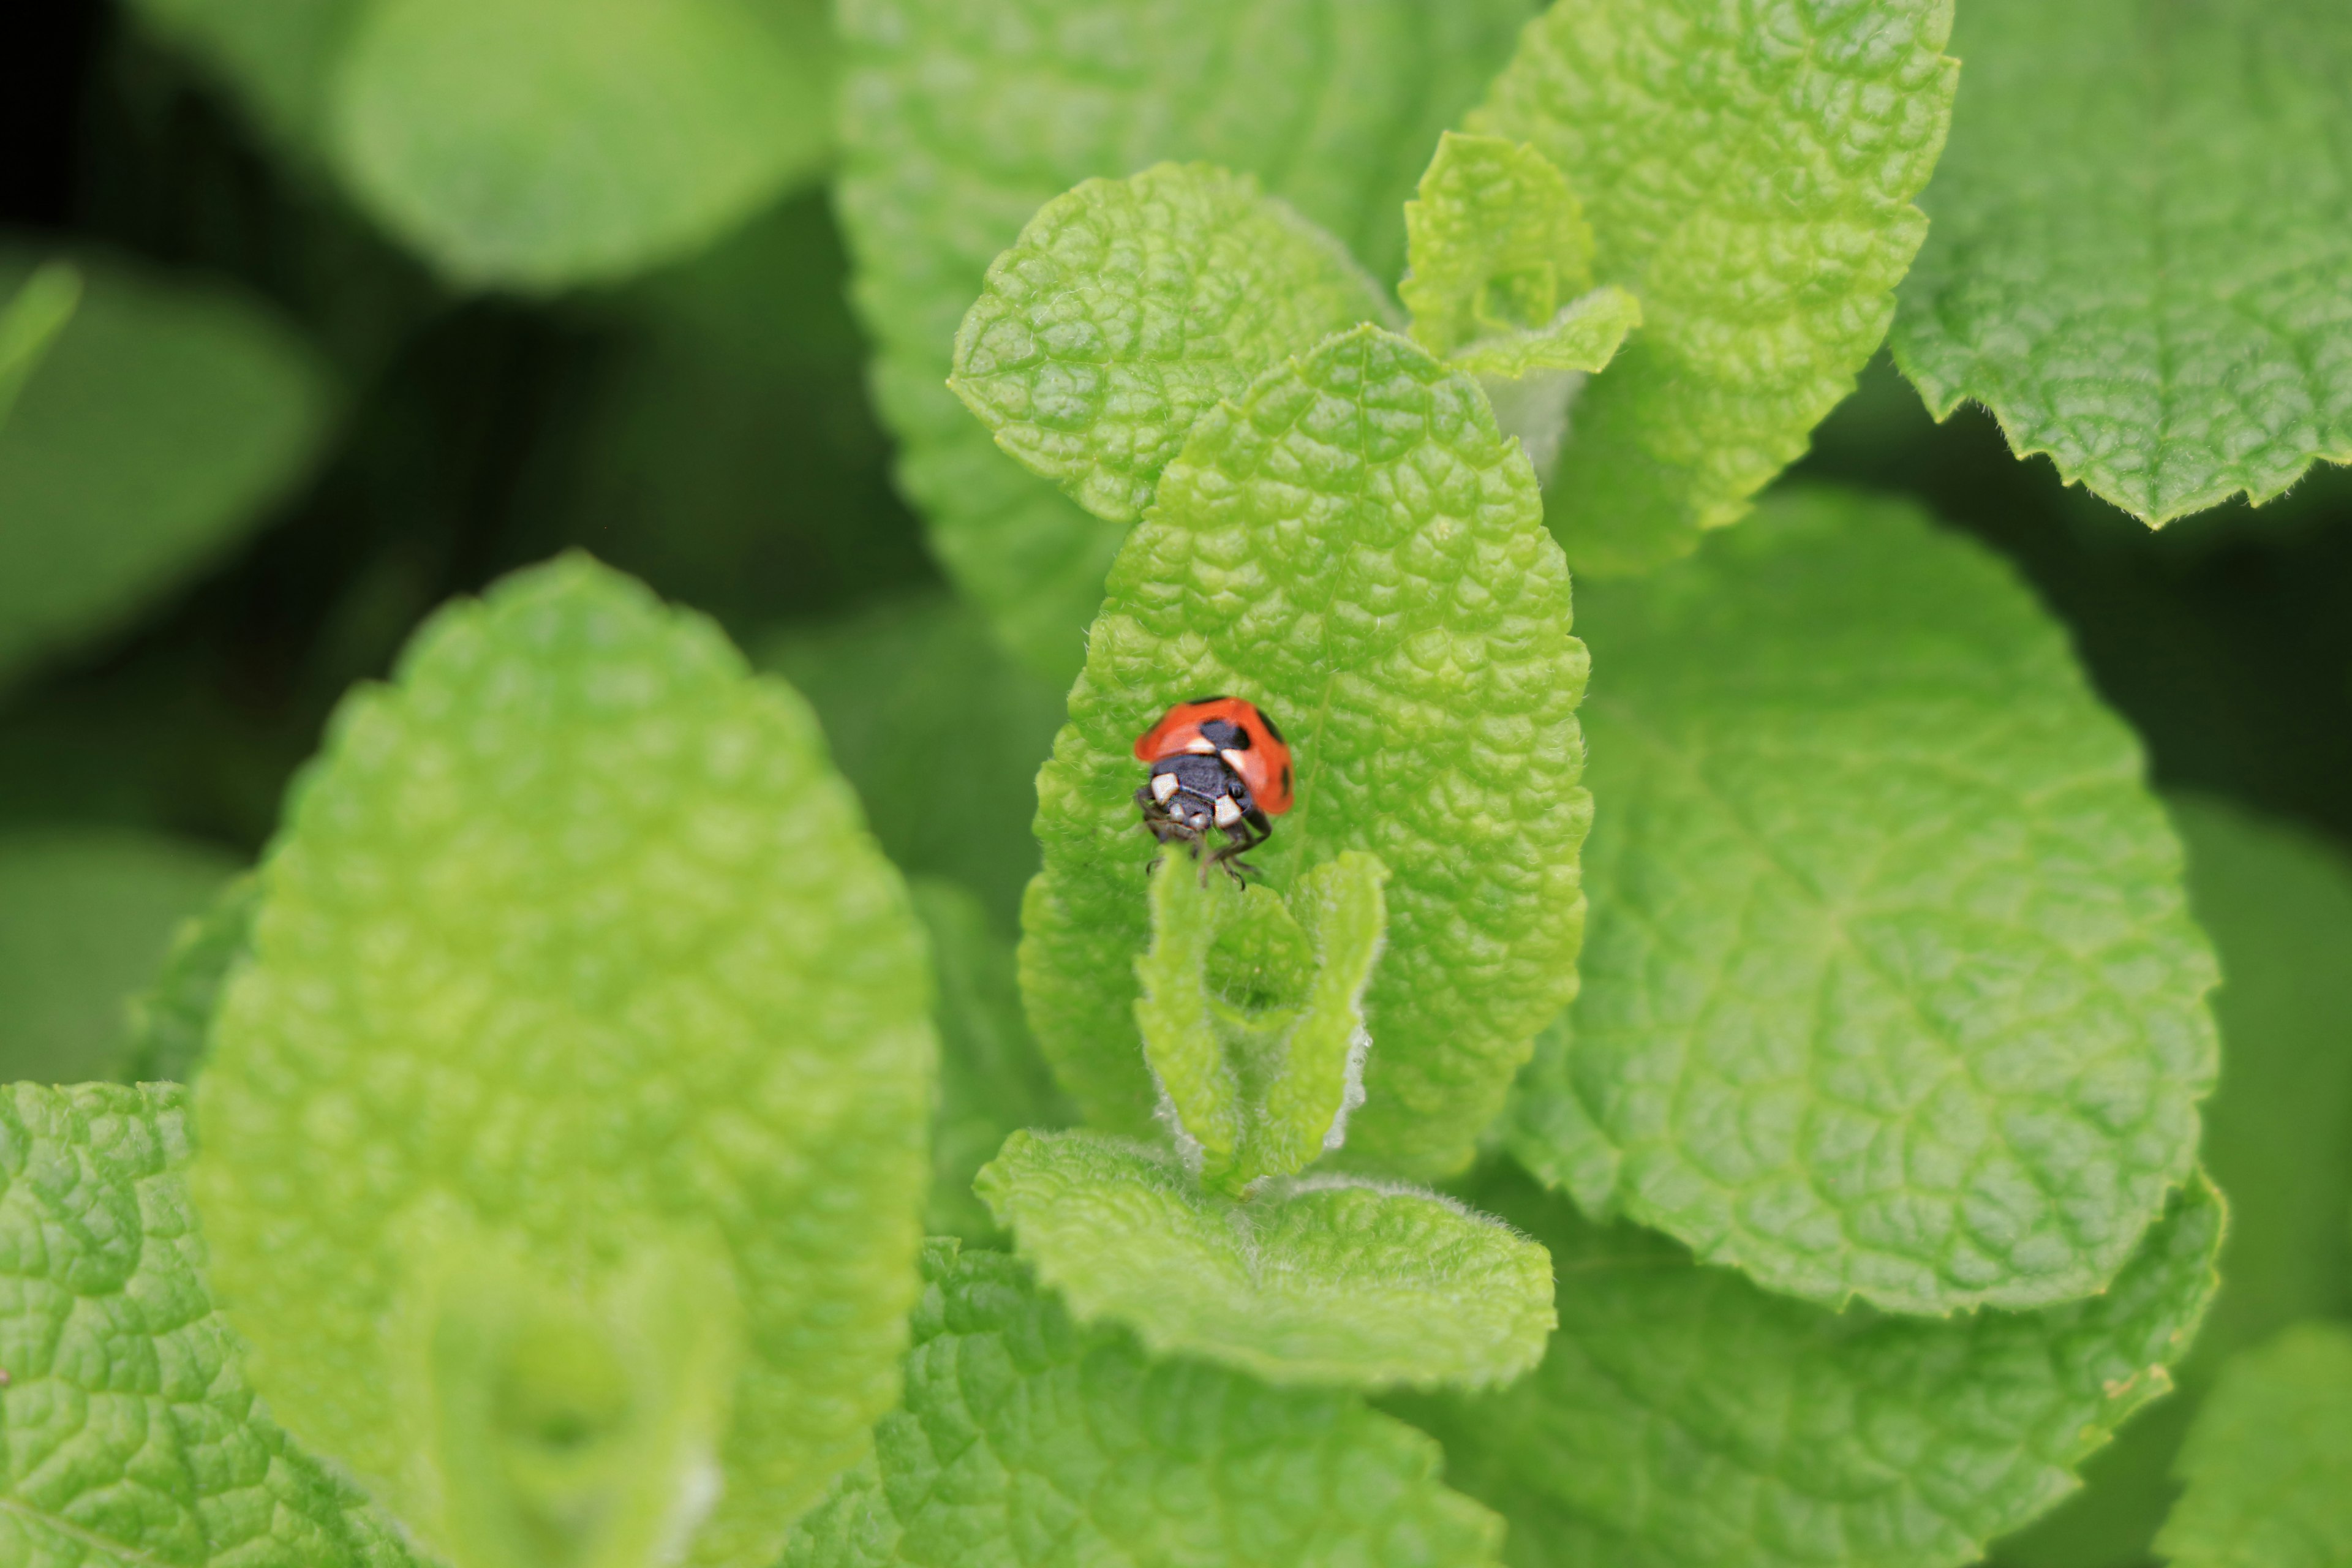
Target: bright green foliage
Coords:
[(941, 734), (1585, 335), (534, 144), (992, 1082), (85, 915), (2266, 1463), (1128, 308), (963, 117), (1684, 1418), (127, 1434), (30, 322), (1496, 242), (160, 423), (2143, 245), (1027, 1442), (172, 1020), (1324, 1281), (1251, 1014), (2278, 1140), (563, 1129), (1892, 990), (1355, 548), (1748, 171)]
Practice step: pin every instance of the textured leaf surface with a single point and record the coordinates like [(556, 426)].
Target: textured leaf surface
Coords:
[(1128, 308), (2266, 1462), (172, 1020), (1583, 335), (1497, 243), (127, 1434), (1251, 1014), (963, 117), (563, 1131), (941, 732), (538, 143), (30, 321), (86, 915), (1027, 1441), (1683, 1418), (992, 1082), (163, 421), (1748, 171), (1322, 1282), (1355, 548), (2278, 1140), (2141, 260), (1892, 990)]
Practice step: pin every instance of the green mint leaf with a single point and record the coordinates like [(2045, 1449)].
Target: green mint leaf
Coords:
[(172, 1020), (1892, 990), (962, 118), (128, 1435), (30, 322), (2278, 1140), (1583, 335), (1354, 547), (1497, 243), (1129, 307), (2142, 237), (163, 420), (85, 915), (1027, 1441), (1321, 1281), (536, 144), (1684, 1418), (2264, 1466), (564, 1130), (1748, 177), (1251, 1014), (941, 732), (992, 1082)]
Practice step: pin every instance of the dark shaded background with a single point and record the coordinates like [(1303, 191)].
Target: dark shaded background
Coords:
[(724, 452)]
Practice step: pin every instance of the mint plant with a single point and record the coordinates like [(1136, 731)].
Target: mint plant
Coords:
[(1744, 1033)]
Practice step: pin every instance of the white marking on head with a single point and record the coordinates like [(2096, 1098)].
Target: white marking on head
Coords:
[(1163, 786), (1227, 811), (1232, 759), (1200, 745)]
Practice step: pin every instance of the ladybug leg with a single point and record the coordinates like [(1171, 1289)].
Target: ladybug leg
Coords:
[(1240, 839)]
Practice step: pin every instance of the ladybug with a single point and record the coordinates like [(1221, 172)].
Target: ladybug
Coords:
[(1217, 761)]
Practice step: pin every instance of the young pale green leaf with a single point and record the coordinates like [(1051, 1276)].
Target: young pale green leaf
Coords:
[(1748, 171), (2265, 1463), (1355, 548), (992, 1082), (2142, 244), (1251, 1014), (940, 731), (1028, 1442), (30, 322), (1684, 1418), (163, 421), (1129, 307), (172, 1020), (963, 117), (564, 1127), (536, 144), (1324, 1281), (1496, 242), (85, 915), (2278, 1140), (1583, 335), (126, 1432), (1892, 989)]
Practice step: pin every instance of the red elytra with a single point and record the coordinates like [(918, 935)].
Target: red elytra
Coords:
[(1264, 763)]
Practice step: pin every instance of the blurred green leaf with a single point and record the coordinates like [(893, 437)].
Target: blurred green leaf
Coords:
[(278, 57), (537, 144), (163, 421), (962, 118), (940, 731), (2142, 244), (86, 915), (170, 1021), (2278, 1142), (30, 322), (2268, 1466)]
